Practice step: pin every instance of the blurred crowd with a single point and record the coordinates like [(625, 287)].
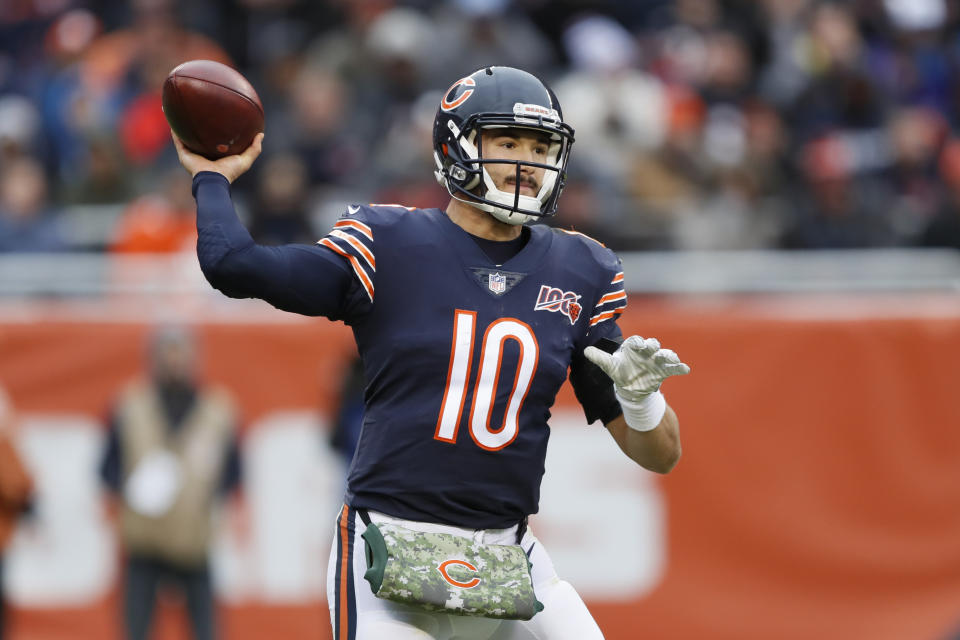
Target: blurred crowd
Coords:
[(700, 124)]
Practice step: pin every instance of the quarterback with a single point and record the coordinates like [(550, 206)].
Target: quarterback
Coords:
[(468, 321)]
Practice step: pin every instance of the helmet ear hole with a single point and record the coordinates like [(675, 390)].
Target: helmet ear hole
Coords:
[(460, 174)]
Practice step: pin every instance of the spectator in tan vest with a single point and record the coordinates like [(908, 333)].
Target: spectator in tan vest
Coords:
[(171, 455), (15, 488)]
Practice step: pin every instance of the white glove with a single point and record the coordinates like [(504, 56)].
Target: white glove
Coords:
[(637, 369)]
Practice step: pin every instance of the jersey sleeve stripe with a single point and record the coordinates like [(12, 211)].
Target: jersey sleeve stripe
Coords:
[(611, 297), (357, 267), (606, 315), (356, 224), (358, 246), (617, 278)]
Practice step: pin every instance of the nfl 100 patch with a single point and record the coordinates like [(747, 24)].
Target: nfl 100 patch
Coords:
[(557, 300)]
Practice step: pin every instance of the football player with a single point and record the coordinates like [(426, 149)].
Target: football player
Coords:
[(467, 321)]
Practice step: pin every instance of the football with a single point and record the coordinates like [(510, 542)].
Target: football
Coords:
[(212, 108)]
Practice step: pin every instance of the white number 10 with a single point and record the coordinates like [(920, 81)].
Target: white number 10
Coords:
[(491, 356)]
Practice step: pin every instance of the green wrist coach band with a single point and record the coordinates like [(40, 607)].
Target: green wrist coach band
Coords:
[(445, 573)]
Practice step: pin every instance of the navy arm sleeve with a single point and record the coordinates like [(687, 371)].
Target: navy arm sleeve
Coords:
[(305, 279), (593, 387)]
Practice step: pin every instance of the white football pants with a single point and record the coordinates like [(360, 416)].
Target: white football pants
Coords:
[(356, 614)]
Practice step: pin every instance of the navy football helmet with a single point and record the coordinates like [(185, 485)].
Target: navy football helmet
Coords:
[(499, 97)]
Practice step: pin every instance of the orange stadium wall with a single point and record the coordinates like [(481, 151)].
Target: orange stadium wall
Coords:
[(818, 495)]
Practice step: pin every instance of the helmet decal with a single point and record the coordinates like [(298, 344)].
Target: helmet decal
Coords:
[(448, 105), (534, 111)]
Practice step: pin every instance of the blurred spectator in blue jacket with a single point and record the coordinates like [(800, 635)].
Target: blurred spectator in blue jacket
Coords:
[(27, 222)]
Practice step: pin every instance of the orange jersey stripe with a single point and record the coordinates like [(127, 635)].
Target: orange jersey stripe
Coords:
[(357, 267), (359, 226), (605, 316), (610, 297), (344, 572), (356, 244), (617, 278)]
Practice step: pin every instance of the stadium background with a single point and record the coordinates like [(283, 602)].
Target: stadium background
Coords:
[(781, 177)]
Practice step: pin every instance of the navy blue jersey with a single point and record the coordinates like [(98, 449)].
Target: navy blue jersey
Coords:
[(464, 359)]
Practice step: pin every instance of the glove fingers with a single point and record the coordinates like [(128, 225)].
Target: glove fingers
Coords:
[(666, 356), (669, 363), (640, 346), (650, 346), (679, 369), (601, 358)]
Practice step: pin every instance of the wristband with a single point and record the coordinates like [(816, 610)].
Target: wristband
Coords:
[(646, 414)]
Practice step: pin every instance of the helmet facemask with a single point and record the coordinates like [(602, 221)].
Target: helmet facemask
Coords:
[(465, 175)]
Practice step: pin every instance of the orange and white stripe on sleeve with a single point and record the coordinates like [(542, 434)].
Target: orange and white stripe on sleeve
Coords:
[(353, 241), (612, 303)]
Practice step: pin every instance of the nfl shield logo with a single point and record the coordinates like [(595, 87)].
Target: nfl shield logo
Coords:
[(497, 283)]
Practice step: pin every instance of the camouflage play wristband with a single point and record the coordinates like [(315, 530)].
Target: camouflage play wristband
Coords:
[(446, 573)]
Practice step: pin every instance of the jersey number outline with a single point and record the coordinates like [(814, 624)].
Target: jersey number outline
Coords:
[(485, 387)]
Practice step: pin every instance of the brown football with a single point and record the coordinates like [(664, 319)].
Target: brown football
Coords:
[(212, 108)]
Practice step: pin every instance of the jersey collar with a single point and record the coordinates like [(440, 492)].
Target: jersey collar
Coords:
[(471, 255)]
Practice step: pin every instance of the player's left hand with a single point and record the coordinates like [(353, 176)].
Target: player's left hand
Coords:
[(638, 367)]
